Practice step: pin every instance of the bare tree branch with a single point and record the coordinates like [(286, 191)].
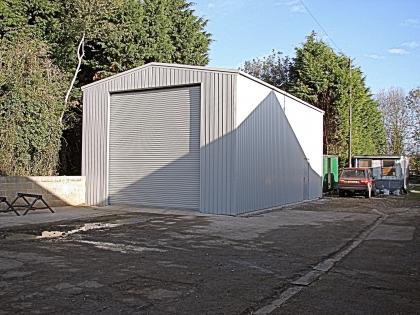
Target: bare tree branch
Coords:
[(397, 118), (80, 55)]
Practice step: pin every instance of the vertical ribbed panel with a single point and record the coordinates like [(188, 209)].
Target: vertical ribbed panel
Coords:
[(94, 145), (279, 142), (216, 140), (272, 169), (217, 150)]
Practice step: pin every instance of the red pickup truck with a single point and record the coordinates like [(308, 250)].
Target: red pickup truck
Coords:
[(356, 181)]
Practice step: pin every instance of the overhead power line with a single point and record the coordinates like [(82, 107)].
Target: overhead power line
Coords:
[(320, 26), (350, 90)]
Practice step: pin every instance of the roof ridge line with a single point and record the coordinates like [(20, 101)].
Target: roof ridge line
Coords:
[(159, 64)]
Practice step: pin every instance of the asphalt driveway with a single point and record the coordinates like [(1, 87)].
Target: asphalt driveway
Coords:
[(334, 255)]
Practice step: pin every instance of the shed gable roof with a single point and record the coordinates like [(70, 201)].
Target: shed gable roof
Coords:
[(200, 68), (159, 64)]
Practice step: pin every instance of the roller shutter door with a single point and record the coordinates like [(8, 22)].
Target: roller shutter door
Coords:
[(154, 148)]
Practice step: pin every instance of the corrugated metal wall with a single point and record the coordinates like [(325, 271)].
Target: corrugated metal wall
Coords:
[(307, 125), (272, 169), (217, 122), (272, 163), (257, 149)]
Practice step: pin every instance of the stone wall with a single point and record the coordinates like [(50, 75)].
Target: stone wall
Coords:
[(56, 190)]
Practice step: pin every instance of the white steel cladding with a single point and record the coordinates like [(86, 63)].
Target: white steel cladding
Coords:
[(278, 147), (307, 125), (259, 147), (154, 148)]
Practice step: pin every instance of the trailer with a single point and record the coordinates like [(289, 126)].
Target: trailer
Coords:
[(390, 172)]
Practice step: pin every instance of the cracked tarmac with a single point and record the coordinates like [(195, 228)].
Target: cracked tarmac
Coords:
[(180, 263)]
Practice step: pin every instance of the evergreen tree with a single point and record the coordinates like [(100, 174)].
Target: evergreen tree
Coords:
[(119, 35), (330, 82), (34, 17), (187, 32)]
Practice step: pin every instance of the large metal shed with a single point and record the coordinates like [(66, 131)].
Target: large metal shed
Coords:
[(212, 140)]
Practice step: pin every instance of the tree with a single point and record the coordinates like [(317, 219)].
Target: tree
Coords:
[(413, 100), (331, 82), (34, 17), (401, 114), (314, 78), (118, 35), (413, 104), (31, 102), (396, 116), (130, 33), (273, 69), (189, 37)]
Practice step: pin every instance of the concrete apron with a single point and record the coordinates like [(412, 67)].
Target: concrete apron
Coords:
[(8, 220), (69, 213)]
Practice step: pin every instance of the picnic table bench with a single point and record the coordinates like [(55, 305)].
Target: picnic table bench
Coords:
[(9, 206), (30, 205)]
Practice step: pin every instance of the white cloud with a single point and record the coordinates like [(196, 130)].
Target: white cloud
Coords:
[(294, 6), (398, 51), (297, 8), (222, 6), (411, 23), (411, 45), (375, 57)]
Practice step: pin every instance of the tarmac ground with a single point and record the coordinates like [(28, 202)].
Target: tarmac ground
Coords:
[(330, 256)]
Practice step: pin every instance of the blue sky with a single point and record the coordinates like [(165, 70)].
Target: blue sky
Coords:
[(383, 37)]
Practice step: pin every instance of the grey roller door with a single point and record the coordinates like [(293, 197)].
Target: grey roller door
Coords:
[(154, 148)]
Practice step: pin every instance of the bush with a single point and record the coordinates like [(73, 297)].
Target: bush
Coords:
[(31, 102)]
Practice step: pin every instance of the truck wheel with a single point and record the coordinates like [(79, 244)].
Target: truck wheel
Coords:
[(341, 193)]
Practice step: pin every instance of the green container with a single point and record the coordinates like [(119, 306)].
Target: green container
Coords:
[(330, 173)]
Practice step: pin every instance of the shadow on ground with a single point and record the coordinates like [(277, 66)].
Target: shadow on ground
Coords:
[(187, 264)]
